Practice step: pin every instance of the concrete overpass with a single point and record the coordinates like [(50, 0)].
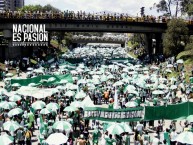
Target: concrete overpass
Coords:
[(94, 26)]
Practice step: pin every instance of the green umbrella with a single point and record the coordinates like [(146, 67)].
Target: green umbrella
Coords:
[(38, 105), (70, 109), (10, 126), (15, 111), (115, 129), (45, 111), (62, 125), (6, 140), (15, 98), (53, 106)]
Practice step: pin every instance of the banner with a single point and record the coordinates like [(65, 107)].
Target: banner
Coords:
[(169, 112), (55, 79), (105, 114)]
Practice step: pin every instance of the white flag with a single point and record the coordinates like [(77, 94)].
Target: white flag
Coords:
[(116, 104)]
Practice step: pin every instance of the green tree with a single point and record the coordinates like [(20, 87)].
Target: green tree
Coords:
[(33, 8), (176, 37), (166, 7)]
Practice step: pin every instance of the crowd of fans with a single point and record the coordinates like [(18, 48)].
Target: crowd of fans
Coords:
[(81, 15)]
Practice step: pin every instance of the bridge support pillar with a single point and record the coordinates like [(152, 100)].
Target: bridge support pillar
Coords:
[(159, 47), (148, 44), (123, 45)]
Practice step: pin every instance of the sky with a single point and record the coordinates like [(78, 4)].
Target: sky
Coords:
[(131, 7)]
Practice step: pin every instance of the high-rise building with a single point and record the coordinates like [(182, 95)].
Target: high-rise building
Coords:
[(11, 5)]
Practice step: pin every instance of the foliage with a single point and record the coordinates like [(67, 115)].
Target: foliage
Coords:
[(137, 39), (166, 7), (176, 37), (39, 8)]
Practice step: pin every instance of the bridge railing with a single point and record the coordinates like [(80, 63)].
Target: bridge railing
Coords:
[(83, 16), (76, 16)]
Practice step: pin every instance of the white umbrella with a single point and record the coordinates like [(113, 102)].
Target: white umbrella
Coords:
[(180, 61), (80, 95), (9, 75), (158, 92), (56, 139), (173, 87), (38, 105), (76, 104), (16, 85), (131, 104), (185, 138), (45, 111), (69, 93), (169, 65), (29, 68), (115, 129), (6, 140), (15, 111)]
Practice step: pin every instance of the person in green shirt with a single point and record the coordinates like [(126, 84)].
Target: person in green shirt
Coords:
[(166, 136), (110, 140), (95, 136)]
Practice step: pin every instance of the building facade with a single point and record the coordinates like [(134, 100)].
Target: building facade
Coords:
[(11, 5)]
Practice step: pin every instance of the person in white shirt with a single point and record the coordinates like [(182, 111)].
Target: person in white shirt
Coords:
[(173, 136), (139, 128)]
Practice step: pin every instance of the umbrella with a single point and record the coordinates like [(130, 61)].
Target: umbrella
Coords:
[(70, 109), (69, 93), (11, 126), (131, 104), (129, 87), (168, 70), (190, 118), (169, 65), (63, 81), (126, 127), (119, 83), (9, 75), (52, 106), (29, 68), (5, 139), (173, 87), (51, 79), (80, 95), (15, 111), (16, 85), (158, 92), (81, 81), (162, 86), (45, 111), (180, 61), (7, 105), (56, 139), (62, 125), (15, 98), (38, 105), (76, 104), (115, 129), (185, 138)]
